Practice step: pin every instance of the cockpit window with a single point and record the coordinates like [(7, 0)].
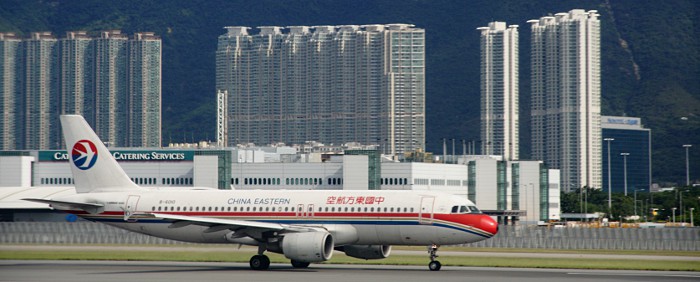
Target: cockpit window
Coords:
[(460, 209), (474, 209)]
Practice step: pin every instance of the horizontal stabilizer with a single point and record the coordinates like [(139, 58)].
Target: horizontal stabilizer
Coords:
[(63, 205)]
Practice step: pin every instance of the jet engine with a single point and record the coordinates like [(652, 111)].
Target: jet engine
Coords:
[(308, 246), (367, 251)]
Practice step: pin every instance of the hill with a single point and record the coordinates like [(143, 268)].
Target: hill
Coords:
[(650, 56)]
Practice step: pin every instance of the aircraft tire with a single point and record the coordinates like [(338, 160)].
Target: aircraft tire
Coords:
[(300, 264), (434, 265), (259, 262)]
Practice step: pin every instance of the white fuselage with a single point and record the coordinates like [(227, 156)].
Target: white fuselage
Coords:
[(366, 217)]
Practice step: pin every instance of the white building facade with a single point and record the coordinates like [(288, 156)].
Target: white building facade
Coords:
[(513, 191), (565, 116), (499, 90)]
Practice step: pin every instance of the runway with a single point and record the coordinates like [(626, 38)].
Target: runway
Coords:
[(58, 271)]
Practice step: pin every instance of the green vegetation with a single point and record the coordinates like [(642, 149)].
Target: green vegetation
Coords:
[(650, 56), (339, 258), (623, 206)]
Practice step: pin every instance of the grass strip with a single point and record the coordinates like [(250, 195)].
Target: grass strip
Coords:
[(339, 258)]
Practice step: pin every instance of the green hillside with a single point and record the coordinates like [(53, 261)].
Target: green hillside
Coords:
[(650, 56)]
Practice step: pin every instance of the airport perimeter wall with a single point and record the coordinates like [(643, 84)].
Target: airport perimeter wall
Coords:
[(667, 239)]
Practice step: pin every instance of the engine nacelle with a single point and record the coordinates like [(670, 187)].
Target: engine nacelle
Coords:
[(367, 251), (308, 246)]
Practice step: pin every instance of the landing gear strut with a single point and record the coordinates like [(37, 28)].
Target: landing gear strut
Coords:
[(434, 265), (260, 261)]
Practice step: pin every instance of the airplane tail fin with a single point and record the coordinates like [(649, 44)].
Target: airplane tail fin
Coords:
[(93, 167)]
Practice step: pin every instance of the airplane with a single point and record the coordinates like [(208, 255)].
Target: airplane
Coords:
[(306, 226)]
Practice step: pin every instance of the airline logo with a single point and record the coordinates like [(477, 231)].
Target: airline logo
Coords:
[(84, 154)]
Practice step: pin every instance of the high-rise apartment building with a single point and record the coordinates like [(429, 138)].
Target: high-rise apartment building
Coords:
[(144, 111), (111, 87), (499, 90), (332, 84), (40, 88), (10, 84), (112, 80), (565, 70), (77, 75)]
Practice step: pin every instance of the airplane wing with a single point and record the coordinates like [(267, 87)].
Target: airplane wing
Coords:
[(242, 228), (216, 224)]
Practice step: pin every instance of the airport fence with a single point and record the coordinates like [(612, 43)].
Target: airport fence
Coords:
[(580, 238), (529, 237)]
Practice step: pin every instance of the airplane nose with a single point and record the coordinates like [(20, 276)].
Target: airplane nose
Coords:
[(488, 224)]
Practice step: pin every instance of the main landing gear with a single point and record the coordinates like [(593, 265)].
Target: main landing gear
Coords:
[(434, 265), (260, 261)]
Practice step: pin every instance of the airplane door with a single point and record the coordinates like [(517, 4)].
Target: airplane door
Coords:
[(310, 210), (130, 207), (300, 211), (425, 214), (305, 212)]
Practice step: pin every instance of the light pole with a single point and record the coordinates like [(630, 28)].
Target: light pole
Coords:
[(635, 201), (609, 183), (452, 161), (585, 202), (674, 214), (624, 156), (534, 204), (691, 217), (687, 164), (680, 213)]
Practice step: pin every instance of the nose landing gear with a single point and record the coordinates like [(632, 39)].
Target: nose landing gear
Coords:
[(434, 265)]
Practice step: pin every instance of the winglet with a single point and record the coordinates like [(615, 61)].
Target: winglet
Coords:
[(93, 167)]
